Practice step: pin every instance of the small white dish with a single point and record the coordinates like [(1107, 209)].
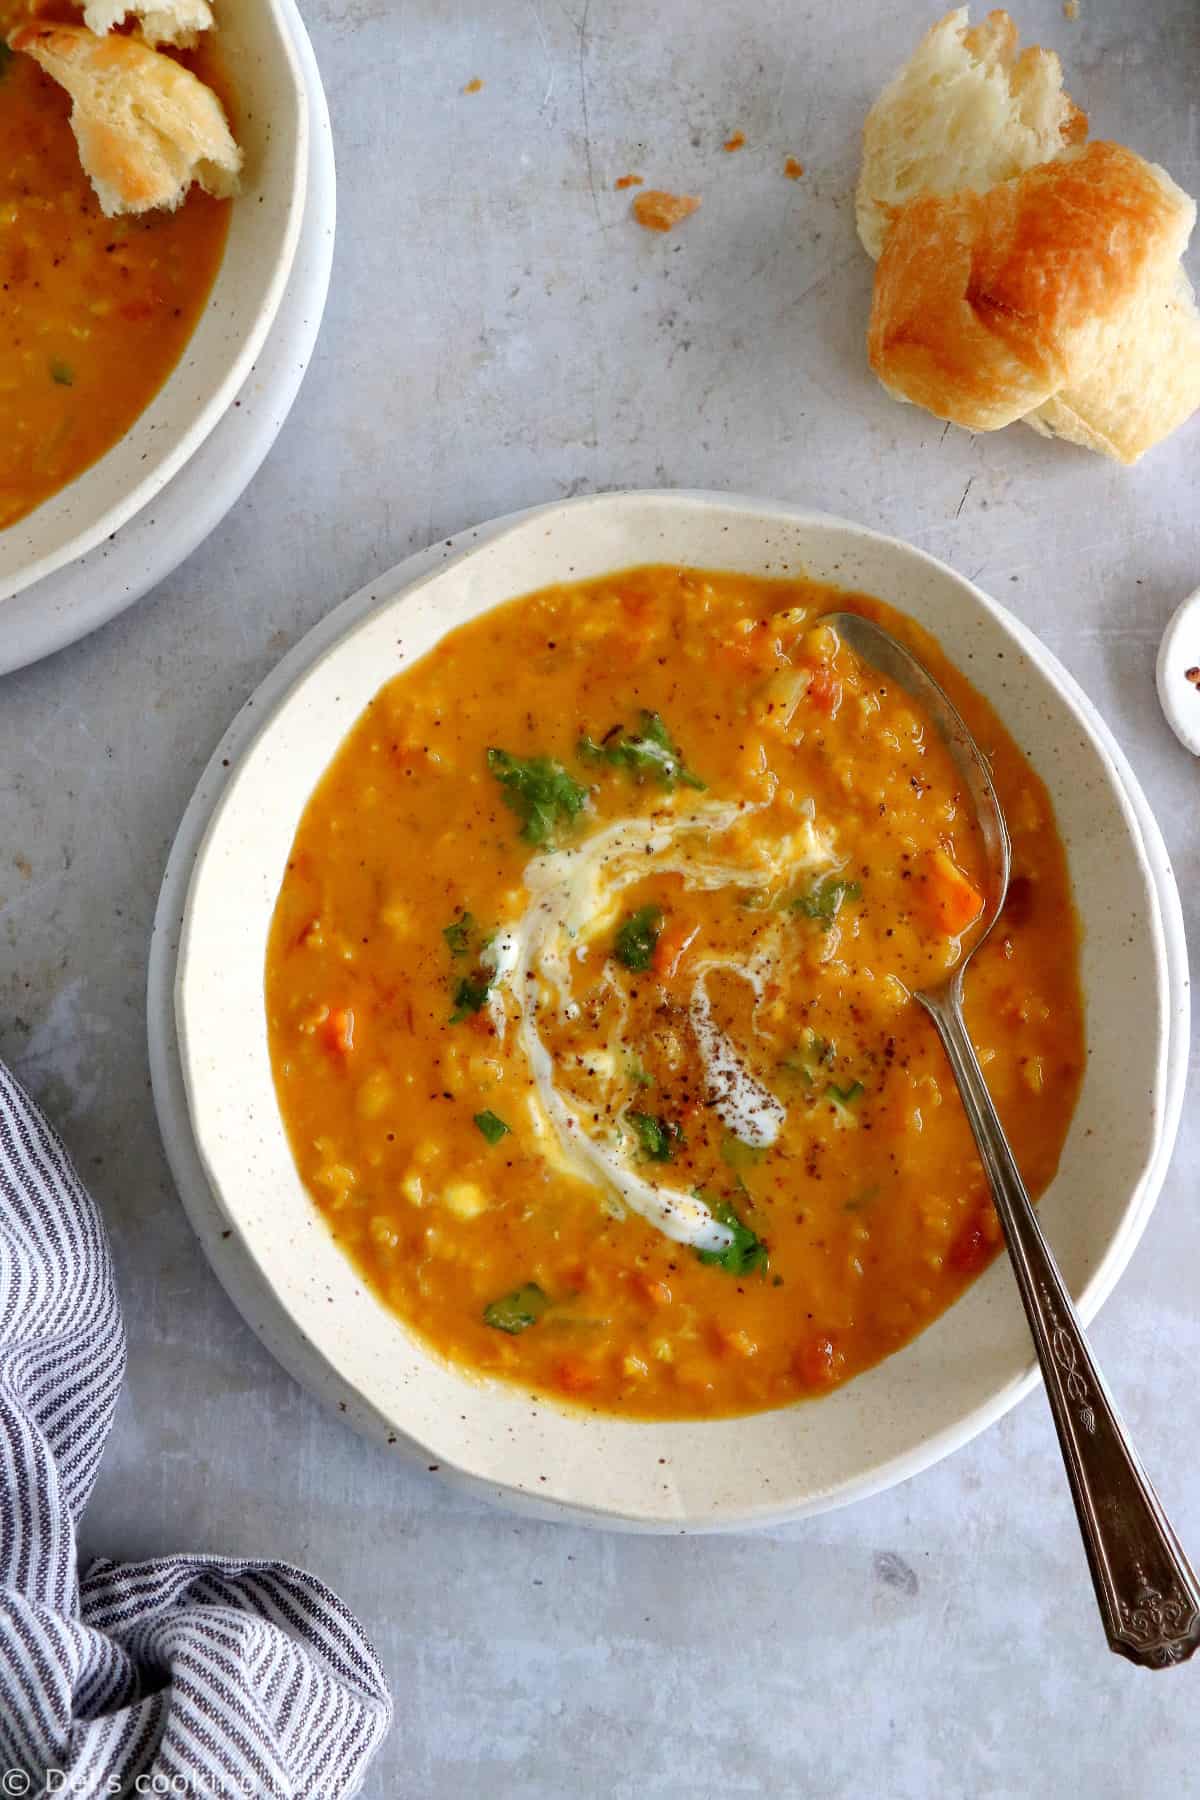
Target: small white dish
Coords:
[(962, 1373), (264, 230), (1178, 673), (114, 574)]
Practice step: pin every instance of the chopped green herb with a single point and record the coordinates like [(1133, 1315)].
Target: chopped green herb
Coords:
[(859, 1201), (659, 1137), (814, 1054), (637, 938), (470, 996), (463, 938), (516, 1311), (638, 1074), (842, 1101), (492, 1127), (825, 899), (746, 1255), (458, 935), (61, 372), (740, 1155), (649, 751), (539, 791)]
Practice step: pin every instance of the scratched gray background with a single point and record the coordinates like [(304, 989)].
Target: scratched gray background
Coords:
[(499, 333)]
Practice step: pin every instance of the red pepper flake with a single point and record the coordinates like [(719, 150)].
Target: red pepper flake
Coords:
[(793, 169), (1192, 675), (627, 181), (474, 86), (736, 142)]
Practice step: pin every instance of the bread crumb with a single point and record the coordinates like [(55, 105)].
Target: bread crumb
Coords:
[(658, 211), (1070, 9), (627, 181), (793, 169), (736, 141), (474, 86)]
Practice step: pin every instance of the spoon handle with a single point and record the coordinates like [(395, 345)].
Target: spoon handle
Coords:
[(1148, 1595)]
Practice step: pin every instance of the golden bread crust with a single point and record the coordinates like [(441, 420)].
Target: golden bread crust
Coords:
[(986, 305)]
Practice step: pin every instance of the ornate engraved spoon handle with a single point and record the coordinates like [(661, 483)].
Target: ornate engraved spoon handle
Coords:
[(1147, 1592)]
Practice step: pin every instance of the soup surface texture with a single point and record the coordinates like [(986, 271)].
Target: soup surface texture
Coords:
[(94, 312), (588, 992)]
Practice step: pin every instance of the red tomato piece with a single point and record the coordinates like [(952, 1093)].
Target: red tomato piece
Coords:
[(338, 1030)]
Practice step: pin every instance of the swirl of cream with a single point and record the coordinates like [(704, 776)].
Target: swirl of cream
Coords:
[(573, 895)]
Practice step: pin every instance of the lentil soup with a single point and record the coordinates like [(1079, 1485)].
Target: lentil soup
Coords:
[(94, 312), (588, 992)]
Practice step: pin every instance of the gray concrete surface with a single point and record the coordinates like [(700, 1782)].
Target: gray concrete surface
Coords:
[(499, 333)]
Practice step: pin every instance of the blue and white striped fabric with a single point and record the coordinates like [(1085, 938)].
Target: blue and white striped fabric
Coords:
[(199, 1675)]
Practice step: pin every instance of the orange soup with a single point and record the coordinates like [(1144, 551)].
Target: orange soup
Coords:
[(94, 312), (589, 992)]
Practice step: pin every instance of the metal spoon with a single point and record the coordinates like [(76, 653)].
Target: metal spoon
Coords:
[(1149, 1598)]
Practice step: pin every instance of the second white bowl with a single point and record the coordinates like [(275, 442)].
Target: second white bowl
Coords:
[(273, 126)]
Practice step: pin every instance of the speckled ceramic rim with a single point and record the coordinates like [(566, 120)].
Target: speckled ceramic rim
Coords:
[(726, 1474), (273, 127)]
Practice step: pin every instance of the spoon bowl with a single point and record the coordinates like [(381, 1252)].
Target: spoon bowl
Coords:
[(1148, 1595), (886, 653)]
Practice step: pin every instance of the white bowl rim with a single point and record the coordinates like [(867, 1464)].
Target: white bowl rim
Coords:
[(1166, 929), (163, 468)]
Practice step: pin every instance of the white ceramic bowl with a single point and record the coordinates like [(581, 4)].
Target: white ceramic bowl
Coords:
[(959, 1375), (272, 126)]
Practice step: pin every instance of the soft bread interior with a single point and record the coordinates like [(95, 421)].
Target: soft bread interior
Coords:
[(177, 22), (146, 127), (966, 111)]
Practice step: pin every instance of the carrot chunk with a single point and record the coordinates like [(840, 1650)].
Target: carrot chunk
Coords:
[(672, 946), (825, 692), (575, 1376), (818, 1363), (970, 1251), (954, 902), (338, 1030)]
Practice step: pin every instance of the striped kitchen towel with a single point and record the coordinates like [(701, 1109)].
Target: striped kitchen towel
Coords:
[(199, 1675)]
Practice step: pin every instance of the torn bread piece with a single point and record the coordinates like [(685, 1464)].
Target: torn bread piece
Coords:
[(987, 306), (177, 22), (1145, 381), (966, 111), (146, 126), (970, 112)]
